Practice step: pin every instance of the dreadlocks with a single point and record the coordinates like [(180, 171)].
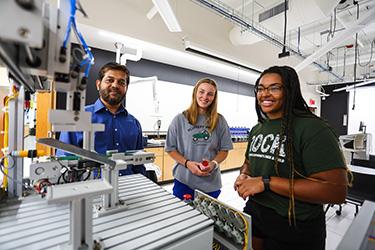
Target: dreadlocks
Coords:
[(292, 101)]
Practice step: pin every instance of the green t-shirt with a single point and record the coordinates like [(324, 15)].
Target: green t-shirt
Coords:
[(315, 149)]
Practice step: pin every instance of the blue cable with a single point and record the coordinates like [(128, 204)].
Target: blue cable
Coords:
[(84, 62), (88, 62), (87, 49), (71, 20)]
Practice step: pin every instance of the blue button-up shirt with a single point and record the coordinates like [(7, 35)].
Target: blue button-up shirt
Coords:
[(122, 132)]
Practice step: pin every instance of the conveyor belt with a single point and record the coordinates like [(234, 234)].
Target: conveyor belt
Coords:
[(155, 220)]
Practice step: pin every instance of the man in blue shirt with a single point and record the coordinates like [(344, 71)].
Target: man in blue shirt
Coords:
[(122, 130)]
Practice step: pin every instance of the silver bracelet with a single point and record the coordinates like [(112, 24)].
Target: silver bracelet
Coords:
[(217, 165)]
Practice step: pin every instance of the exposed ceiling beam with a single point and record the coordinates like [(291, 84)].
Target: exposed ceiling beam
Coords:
[(347, 88), (346, 26), (337, 40)]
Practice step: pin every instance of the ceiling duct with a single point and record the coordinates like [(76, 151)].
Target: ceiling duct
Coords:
[(247, 24), (278, 9), (299, 13)]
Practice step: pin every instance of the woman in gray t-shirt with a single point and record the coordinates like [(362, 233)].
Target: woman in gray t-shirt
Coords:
[(198, 140)]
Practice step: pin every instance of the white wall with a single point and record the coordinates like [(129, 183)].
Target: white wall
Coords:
[(3, 77), (238, 110), (174, 98), (364, 111)]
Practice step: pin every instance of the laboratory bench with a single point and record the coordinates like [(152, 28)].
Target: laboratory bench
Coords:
[(234, 160)]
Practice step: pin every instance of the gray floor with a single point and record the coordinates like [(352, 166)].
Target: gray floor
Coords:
[(336, 225)]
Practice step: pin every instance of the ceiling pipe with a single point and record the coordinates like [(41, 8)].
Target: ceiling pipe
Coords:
[(121, 59), (118, 47), (337, 40), (241, 38), (250, 25), (134, 57)]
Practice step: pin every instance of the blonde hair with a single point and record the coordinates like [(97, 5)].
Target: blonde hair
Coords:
[(212, 116)]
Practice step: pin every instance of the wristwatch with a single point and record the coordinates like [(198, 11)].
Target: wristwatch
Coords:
[(266, 181)]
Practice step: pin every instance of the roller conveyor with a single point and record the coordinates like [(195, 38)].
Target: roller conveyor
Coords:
[(155, 219)]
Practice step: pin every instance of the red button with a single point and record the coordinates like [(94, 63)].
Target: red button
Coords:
[(187, 196), (205, 163)]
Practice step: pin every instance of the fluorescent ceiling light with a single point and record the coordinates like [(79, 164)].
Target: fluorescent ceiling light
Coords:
[(216, 56), (166, 12)]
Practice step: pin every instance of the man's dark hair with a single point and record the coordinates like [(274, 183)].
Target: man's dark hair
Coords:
[(114, 66)]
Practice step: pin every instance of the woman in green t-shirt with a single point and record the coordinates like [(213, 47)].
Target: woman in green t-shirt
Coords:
[(293, 165)]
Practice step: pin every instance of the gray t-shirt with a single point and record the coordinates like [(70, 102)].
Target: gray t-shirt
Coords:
[(196, 143)]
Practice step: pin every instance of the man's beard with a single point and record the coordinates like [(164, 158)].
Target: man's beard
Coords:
[(104, 94)]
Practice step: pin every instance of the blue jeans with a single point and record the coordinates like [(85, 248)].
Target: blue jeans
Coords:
[(179, 189)]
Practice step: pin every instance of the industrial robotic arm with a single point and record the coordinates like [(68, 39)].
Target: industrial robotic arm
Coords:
[(35, 48)]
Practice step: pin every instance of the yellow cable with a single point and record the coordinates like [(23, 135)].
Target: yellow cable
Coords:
[(97, 176), (6, 136)]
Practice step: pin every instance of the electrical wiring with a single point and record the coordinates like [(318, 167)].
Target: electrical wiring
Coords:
[(355, 57), (97, 176), (7, 168), (42, 186), (70, 175), (372, 52), (62, 166), (2, 161), (58, 179), (5, 132), (73, 175), (332, 31), (81, 173)]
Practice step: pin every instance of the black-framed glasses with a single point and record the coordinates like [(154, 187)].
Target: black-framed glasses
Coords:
[(272, 89)]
